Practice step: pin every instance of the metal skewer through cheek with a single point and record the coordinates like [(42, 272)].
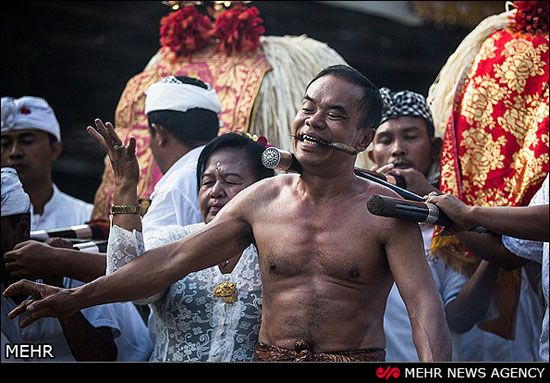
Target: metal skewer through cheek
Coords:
[(334, 145)]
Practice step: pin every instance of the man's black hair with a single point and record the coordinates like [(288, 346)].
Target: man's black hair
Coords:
[(252, 149), (191, 128), (371, 102)]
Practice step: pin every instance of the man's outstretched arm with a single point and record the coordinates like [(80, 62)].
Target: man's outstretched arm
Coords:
[(148, 274), (526, 222)]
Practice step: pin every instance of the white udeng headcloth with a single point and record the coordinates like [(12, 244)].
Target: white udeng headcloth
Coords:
[(171, 94), (14, 198), (29, 112)]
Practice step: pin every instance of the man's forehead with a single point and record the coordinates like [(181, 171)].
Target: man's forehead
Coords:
[(402, 124), (323, 83), (22, 133), (334, 91)]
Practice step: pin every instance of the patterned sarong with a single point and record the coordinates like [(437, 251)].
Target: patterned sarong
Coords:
[(302, 353)]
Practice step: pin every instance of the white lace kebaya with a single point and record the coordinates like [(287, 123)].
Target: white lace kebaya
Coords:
[(192, 324)]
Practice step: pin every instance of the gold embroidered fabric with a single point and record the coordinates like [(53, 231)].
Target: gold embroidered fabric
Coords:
[(495, 151), (496, 144)]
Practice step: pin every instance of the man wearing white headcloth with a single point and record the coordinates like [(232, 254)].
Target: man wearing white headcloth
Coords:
[(183, 117), (182, 114), (106, 332), (31, 142)]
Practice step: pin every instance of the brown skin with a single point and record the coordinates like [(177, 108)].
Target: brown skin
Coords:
[(11, 235), (165, 148), (36, 260), (324, 260), (226, 173), (30, 152), (527, 222)]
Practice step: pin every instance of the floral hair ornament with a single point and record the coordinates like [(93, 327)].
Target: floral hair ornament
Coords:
[(186, 30), (261, 139)]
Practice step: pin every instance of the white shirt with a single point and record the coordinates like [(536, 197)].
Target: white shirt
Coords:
[(61, 210), (477, 345), (174, 200), (191, 323), (397, 326), (538, 252), (129, 331)]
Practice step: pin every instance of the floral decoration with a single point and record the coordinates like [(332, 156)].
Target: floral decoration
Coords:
[(261, 139), (238, 29), (185, 31), (531, 16)]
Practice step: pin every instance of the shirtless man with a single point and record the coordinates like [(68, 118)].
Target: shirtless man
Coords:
[(327, 264)]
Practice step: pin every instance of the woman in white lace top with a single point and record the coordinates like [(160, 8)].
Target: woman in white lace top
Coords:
[(213, 314)]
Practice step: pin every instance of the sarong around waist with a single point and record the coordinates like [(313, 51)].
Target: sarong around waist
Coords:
[(302, 353)]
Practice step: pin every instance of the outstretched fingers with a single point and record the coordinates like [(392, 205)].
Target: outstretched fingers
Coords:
[(38, 306), (21, 287), (35, 310), (132, 149), (110, 131), (105, 135), (123, 158), (20, 309), (98, 138)]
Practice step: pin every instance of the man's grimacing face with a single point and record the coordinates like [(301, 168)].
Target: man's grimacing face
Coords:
[(331, 111)]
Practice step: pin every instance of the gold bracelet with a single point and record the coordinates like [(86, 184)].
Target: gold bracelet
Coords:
[(125, 209)]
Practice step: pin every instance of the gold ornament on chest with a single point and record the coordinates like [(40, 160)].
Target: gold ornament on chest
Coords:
[(227, 291)]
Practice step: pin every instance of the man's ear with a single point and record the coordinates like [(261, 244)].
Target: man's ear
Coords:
[(158, 133), (365, 140), (56, 149)]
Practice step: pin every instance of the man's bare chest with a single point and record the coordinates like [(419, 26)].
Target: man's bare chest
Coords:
[(304, 239)]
